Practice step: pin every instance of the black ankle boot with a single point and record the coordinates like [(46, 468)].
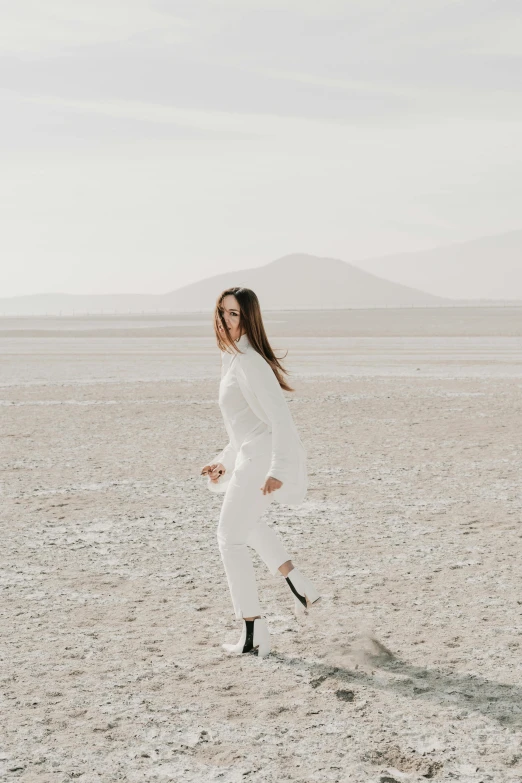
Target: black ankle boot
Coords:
[(254, 638), (303, 589), (299, 597), (249, 640)]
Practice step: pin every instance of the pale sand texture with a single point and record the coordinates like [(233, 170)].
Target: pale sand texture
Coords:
[(115, 604)]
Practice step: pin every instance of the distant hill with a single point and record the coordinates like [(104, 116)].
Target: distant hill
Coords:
[(303, 281), (487, 268), (293, 282)]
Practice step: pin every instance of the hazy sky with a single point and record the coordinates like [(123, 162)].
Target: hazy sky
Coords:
[(145, 145)]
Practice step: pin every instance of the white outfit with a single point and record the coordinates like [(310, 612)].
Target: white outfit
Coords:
[(263, 394), (263, 442)]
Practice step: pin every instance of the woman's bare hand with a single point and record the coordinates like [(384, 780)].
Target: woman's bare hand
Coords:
[(214, 471), (271, 484)]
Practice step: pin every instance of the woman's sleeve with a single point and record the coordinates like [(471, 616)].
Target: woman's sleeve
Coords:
[(265, 386), (227, 456)]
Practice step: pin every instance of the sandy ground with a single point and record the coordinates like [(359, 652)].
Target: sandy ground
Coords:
[(114, 600)]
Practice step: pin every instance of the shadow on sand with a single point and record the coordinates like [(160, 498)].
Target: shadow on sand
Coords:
[(495, 700)]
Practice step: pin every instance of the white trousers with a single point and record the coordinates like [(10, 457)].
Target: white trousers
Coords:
[(240, 527)]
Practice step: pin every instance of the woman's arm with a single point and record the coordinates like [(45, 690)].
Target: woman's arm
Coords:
[(227, 457), (265, 386)]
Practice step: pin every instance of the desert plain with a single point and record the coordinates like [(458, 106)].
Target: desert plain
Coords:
[(114, 601)]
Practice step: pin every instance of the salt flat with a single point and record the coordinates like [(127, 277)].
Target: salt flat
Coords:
[(114, 600)]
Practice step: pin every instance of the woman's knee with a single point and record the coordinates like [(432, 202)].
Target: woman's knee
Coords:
[(229, 536), (237, 520)]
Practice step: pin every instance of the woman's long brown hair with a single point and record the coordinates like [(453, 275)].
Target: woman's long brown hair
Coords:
[(251, 323)]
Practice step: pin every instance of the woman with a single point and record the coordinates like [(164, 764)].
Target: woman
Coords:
[(264, 459)]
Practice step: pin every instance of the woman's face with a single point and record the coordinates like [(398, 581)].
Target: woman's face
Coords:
[(231, 315)]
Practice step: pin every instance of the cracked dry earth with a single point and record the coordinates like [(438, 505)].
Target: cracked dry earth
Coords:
[(115, 605)]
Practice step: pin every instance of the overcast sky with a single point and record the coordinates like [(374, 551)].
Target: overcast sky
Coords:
[(145, 145)]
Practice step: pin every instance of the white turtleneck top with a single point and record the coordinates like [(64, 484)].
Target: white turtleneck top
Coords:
[(258, 422), (241, 422)]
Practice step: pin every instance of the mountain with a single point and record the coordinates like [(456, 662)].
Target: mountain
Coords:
[(293, 282), (303, 281), (487, 268)]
